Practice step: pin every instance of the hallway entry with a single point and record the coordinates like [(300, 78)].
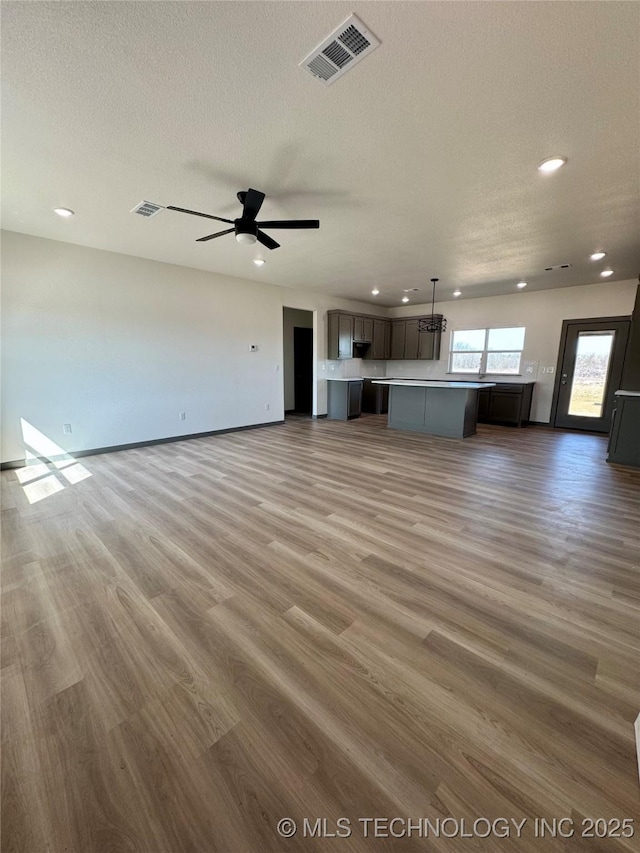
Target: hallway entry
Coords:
[(298, 361)]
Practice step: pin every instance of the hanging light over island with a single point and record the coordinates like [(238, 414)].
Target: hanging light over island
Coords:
[(436, 322)]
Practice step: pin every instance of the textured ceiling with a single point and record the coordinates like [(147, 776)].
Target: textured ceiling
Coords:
[(421, 161)]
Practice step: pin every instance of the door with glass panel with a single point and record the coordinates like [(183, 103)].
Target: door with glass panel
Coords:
[(589, 372)]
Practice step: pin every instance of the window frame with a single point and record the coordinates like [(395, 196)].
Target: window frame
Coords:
[(484, 353)]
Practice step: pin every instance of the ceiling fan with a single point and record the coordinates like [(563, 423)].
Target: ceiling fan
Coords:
[(247, 230)]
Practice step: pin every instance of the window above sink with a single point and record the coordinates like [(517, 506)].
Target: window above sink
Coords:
[(497, 351)]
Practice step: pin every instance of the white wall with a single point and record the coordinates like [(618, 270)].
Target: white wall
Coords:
[(292, 317), (541, 312), (117, 346)]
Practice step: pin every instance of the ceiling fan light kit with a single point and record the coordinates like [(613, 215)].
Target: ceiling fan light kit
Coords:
[(246, 229), (434, 323)]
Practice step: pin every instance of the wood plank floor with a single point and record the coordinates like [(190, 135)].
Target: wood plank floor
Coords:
[(321, 619)]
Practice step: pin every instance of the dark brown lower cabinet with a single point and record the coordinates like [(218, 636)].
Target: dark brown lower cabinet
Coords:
[(375, 398), (506, 403), (344, 399), (624, 441), (484, 398)]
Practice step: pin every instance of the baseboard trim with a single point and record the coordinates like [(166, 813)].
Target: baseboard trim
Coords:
[(317, 417), (114, 448)]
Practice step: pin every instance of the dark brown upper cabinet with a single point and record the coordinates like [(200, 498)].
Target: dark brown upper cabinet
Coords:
[(381, 340), (398, 328), (340, 335), (396, 339), (408, 343), (345, 330), (362, 329)]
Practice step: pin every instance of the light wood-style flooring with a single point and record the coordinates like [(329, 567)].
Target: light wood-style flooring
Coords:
[(320, 619)]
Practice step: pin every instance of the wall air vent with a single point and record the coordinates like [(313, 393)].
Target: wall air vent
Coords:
[(343, 49), (147, 209), (558, 267)]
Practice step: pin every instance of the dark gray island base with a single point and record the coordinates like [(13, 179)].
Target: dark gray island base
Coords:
[(437, 408)]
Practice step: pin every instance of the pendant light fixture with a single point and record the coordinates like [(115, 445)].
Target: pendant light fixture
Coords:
[(436, 322)]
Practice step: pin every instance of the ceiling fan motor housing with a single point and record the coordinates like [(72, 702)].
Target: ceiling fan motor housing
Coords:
[(246, 232)]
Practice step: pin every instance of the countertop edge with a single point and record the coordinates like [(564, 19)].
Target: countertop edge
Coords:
[(417, 383)]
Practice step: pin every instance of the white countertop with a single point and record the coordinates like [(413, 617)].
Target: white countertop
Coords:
[(345, 379), (425, 383), (627, 394)]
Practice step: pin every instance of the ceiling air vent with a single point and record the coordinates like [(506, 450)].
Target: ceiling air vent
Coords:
[(343, 49), (147, 209), (558, 267)]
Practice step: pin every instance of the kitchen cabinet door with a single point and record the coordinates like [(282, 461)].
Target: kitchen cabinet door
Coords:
[(345, 336), (362, 329), (340, 342), (387, 340), (411, 341), (380, 340), (354, 402), (429, 345), (504, 406), (484, 399), (397, 338)]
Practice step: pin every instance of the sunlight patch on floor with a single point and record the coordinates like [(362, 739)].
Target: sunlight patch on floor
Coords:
[(37, 478)]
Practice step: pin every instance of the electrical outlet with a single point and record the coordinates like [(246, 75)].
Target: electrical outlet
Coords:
[(66, 429), (182, 416)]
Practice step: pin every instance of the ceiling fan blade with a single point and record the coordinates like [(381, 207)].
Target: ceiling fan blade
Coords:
[(211, 236), (195, 213), (252, 204), (291, 223), (266, 240)]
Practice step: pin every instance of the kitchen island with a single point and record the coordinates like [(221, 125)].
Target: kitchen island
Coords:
[(437, 408)]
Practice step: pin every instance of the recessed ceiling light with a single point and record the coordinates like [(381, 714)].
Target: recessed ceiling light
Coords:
[(457, 293), (597, 256), (521, 284), (551, 164), (607, 273), (258, 262), (63, 211), (375, 291), (405, 298)]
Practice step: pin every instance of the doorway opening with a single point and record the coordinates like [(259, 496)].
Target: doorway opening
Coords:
[(298, 362), (589, 372)]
